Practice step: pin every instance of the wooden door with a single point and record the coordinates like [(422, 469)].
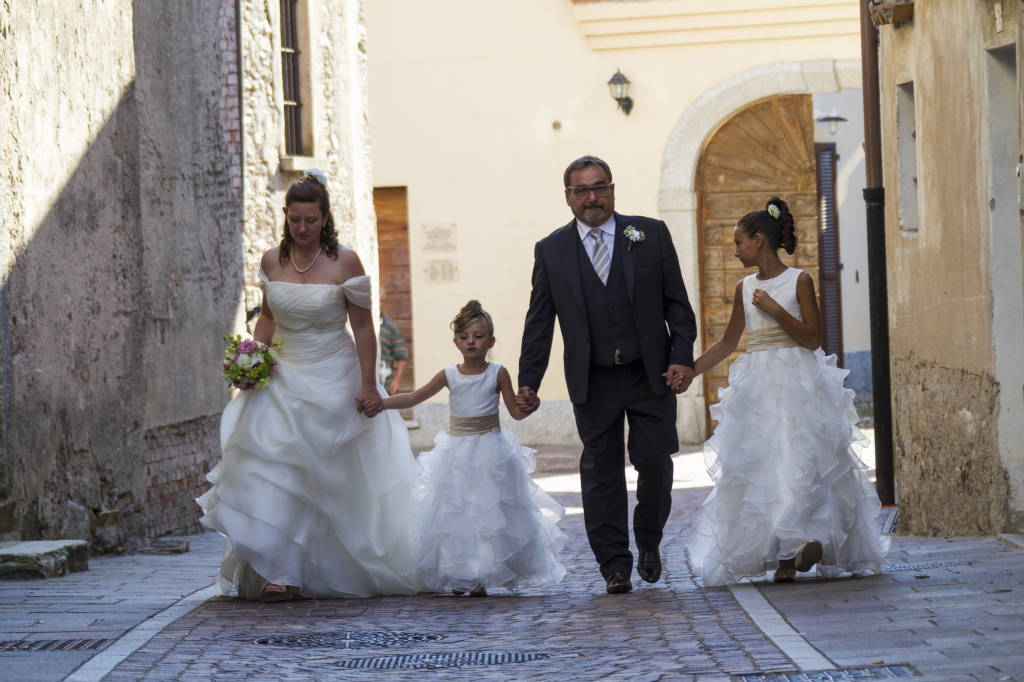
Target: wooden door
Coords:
[(764, 150), (392, 207)]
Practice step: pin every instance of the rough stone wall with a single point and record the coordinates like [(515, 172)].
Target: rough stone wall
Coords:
[(191, 215), (120, 251), (70, 210), (333, 34), (951, 479)]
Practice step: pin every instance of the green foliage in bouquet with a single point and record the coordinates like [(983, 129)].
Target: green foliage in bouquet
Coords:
[(248, 363)]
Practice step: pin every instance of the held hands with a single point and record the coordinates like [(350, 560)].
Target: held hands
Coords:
[(766, 303), (527, 400), (678, 377), (369, 402)]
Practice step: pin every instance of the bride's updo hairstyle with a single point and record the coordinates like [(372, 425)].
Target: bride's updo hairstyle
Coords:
[(310, 188), (470, 313), (775, 222)]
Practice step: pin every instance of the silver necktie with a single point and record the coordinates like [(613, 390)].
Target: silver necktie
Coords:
[(602, 261)]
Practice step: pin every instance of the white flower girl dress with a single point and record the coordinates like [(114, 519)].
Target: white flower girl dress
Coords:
[(782, 459), (482, 522)]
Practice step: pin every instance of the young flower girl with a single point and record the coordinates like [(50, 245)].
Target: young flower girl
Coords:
[(790, 493), (482, 523)]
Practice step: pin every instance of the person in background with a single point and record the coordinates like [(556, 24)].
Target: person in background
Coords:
[(393, 354)]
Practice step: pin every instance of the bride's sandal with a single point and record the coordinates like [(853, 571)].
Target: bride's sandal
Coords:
[(273, 592), (478, 591), (786, 572), (808, 555)]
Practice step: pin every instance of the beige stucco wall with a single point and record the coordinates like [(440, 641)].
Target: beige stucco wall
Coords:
[(478, 107), (952, 439)]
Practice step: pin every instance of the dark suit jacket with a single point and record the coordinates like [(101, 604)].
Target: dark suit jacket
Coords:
[(661, 310)]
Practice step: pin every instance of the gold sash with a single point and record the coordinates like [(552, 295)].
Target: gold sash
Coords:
[(470, 426), (769, 337)]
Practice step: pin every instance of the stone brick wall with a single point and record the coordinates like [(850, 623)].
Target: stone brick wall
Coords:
[(948, 471), (177, 459)]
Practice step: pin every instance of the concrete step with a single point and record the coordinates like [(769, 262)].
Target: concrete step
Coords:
[(43, 558)]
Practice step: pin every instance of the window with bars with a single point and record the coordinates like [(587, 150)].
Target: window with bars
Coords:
[(829, 266), (290, 74)]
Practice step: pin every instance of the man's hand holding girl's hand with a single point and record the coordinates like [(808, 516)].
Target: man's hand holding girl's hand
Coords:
[(678, 377), (527, 400)]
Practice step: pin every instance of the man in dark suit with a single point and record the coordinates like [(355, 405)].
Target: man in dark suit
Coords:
[(613, 282)]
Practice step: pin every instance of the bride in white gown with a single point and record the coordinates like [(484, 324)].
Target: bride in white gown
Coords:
[(313, 498)]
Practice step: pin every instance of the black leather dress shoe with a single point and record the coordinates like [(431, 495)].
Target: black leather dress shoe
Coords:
[(648, 566), (618, 583)]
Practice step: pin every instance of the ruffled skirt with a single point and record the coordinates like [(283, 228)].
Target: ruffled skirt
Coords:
[(481, 519), (785, 472), (310, 493)]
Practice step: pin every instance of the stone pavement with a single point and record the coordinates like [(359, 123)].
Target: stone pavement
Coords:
[(949, 609)]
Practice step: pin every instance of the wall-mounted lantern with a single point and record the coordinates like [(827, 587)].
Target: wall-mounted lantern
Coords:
[(619, 87)]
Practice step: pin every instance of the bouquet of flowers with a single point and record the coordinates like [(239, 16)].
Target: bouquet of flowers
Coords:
[(248, 363)]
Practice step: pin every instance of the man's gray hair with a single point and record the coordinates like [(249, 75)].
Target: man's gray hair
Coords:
[(582, 163)]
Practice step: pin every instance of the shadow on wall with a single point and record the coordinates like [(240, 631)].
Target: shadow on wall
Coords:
[(97, 308)]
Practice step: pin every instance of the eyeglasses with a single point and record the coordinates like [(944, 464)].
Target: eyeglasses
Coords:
[(581, 191)]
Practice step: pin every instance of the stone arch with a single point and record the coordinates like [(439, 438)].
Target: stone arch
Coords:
[(677, 197)]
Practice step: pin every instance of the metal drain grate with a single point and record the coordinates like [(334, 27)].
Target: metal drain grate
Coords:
[(347, 639), (53, 644), (441, 660), (881, 672), (892, 568)]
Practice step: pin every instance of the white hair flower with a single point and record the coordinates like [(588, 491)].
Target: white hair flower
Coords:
[(317, 175), (773, 211)]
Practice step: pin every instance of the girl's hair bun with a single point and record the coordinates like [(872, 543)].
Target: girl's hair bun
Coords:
[(470, 313), (775, 222)]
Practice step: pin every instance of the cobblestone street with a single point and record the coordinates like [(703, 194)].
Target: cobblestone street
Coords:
[(949, 609)]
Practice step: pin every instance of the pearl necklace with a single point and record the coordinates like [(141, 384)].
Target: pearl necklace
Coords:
[(305, 269)]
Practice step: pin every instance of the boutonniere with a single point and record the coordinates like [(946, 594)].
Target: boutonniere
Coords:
[(633, 235)]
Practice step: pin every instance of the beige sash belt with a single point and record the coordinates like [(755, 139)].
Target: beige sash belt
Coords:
[(769, 337), (469, 426)]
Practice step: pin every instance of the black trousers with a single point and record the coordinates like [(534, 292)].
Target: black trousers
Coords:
[(614, 395)]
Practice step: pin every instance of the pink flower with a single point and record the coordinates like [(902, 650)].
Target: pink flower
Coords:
[(247, 347)]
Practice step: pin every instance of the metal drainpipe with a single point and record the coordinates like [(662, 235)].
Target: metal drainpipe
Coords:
[(878, 297)]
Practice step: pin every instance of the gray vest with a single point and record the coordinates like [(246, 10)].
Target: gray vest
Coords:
[(609, 312)]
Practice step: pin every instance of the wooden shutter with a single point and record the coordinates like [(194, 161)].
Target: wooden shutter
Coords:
[(829, 266)]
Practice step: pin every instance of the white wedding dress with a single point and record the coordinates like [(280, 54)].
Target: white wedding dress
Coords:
[(309, 492)]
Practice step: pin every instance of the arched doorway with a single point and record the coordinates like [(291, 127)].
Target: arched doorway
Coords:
[(763, 150)]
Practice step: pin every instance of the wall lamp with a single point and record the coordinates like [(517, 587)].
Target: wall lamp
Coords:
[(619, 87), (831, 119)]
